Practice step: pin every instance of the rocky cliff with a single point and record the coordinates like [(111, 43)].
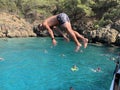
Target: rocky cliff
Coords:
[(14, 26), (109, 34)]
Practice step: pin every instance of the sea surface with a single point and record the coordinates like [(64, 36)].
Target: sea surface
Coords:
[(34, 64)]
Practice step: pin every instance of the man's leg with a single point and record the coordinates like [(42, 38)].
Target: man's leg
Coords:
[(85, 40), (67, 25)]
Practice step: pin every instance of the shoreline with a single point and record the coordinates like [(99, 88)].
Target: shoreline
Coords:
[(89, 43)]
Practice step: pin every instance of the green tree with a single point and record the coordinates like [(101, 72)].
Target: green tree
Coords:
[(76, 9)]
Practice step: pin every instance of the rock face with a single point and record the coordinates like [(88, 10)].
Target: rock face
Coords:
[(14, 26), (109, 34), (105, 35), (116, 25)]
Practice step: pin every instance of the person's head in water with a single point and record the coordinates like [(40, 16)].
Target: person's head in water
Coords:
[(74, 66), (71, 88), (98, 69)]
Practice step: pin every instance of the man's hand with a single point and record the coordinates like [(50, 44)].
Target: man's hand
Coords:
[(54, 42), (65, 37)]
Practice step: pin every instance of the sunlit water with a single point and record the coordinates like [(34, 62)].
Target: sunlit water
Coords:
[(34, 64)]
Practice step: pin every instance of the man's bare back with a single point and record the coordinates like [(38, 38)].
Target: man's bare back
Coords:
[(51, 21)]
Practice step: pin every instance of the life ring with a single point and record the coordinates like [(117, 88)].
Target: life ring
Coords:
[(74, 69)]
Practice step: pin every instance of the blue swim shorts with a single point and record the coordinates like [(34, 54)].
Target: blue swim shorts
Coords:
[(62, 18)]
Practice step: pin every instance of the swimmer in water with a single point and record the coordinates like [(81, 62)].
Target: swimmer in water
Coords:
[(71, 88), (74, 68), (96, 70)]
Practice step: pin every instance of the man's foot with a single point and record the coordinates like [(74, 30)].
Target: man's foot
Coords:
[(85, 42), (77, 48)]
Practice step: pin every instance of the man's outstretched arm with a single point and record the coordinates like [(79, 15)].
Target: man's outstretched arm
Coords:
[(65, 37), (51, 34)]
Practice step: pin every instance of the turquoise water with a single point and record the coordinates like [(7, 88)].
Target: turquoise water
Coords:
[(34, 64)]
